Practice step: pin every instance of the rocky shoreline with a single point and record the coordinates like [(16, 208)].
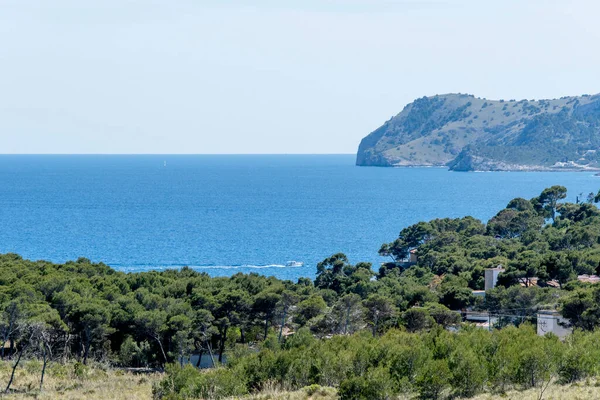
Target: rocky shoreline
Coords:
[(501, 167)]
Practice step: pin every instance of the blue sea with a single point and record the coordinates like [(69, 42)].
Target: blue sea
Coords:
[(236, 213)]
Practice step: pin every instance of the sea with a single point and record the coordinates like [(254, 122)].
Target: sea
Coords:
[(225, 214)]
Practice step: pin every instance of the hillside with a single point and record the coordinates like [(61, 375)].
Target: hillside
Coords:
[(466, 133)]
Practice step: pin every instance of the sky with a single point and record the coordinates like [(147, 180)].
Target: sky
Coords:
[(279, 76)]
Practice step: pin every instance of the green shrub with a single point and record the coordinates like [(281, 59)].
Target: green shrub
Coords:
[(375, 386), (191, 383), (433, 379), (130, 353), (468, 374), (80, 370)]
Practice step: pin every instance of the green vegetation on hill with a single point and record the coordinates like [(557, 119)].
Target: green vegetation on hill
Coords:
[(370, 334), (468, 133), (433, 364)]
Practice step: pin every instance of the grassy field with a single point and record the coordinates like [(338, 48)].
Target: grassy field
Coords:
[(309, 393), (75, 381), (585, 391), (581, 391)]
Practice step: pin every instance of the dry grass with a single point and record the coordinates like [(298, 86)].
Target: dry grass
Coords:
[(69, 382), (309, 393), (580, 391)]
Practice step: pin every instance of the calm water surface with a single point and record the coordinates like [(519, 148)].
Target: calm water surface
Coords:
[(226, 214)]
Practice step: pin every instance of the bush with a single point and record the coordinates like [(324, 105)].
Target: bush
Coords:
[(316, 391), (374, 386), (80, 370), (130, 353), (416, 319), (580, 357), (190, 383), (432, 364), (468, 373), (406, 357), (433, 379)]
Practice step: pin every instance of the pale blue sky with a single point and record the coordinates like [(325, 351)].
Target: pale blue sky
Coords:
[(279, 76)]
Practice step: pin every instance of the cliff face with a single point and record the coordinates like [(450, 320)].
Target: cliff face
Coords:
[(471, 134)]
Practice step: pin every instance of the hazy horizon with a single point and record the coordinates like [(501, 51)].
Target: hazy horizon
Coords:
[(303, 77), (178, 154)]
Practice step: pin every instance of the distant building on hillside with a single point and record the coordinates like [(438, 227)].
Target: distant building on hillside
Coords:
[(491, 277), (492, 274), (412, 257), (481, 319), (534, 281), (588, 278), (405, 263), (550, 321)]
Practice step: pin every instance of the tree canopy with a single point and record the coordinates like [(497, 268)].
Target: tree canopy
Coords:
[(90, 312)]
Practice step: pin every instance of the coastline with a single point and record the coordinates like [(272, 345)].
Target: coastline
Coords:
[(523, 168)]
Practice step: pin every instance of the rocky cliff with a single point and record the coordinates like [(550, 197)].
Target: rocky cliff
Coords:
[(466, 133)]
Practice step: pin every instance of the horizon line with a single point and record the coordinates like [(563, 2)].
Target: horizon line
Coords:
[(177, 154)]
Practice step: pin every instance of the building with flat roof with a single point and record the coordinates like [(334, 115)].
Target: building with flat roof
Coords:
[(550, 321)]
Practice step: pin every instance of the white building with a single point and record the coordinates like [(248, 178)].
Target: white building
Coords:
[(491, 277), (550, 321)]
